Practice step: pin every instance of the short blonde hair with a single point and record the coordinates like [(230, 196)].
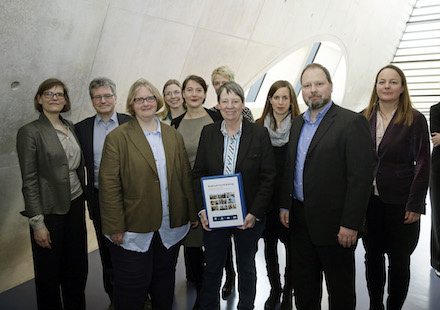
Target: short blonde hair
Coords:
[(225, 71), (133, 90)]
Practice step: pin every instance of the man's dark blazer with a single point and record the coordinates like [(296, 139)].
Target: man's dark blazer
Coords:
[(337, 175), (255, 161), (398, 180), (84, 132)]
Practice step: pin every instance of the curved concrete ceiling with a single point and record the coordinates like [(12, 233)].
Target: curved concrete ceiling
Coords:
[(158, 40)]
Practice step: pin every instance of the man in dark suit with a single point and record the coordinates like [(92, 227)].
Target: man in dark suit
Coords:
[(91, 134), (327, 185)]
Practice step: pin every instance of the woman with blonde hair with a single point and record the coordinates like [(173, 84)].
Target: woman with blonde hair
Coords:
[(220, 76), (280, 110), (401, 177), (146, 202), (173, 102)]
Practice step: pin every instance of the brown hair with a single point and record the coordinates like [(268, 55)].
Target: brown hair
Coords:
[(404, 108), (48, 84), (133, 90), (196, 79), (294, 109), (314, 65)]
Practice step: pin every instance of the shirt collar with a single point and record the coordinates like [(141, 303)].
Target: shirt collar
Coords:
[(319, 116), (158, 128), (225, 132), (114, 118)]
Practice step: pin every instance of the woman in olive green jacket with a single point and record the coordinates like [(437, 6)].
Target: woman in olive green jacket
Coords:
[(146, 202)]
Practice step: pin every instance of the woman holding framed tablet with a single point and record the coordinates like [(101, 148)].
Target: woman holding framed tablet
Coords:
[(228, 147)]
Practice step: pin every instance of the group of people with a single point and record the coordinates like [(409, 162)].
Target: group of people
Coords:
[(316, 181)]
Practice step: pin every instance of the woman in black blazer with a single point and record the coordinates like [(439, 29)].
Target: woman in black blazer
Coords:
[(401, 176), (278, 114), (52, 168), (250, 145)]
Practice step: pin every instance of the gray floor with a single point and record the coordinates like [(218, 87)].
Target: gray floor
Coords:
[(424, 292)]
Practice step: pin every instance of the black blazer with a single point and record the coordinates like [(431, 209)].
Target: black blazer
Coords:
[(434, 122), (216, 116), (402, 169), (44, 168), (338, 174), (255, 161), (84, 132)]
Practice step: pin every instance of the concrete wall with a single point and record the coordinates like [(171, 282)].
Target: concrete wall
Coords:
[(157, 40)]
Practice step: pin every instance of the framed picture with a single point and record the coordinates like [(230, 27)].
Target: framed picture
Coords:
[(224, 200)]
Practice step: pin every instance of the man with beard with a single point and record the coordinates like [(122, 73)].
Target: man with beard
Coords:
[(326, 190)]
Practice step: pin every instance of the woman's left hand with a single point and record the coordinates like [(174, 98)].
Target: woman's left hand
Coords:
[(411, 217), (249, 222)]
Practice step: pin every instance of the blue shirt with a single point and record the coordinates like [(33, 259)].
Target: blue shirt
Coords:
[(140, 242), (305, 138), (101, 129)]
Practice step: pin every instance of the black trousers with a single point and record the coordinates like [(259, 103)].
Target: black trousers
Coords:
[(387, 234), (107, 268), (309, 262), (273, 232), (65, 265), (435, 218), (216, 245), (137, 274)]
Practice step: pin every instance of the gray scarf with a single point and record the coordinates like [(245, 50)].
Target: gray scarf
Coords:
[(280, 136)]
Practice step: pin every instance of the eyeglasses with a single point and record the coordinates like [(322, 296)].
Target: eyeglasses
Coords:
[(150, 99), (99, 97), (175, 93), (49, 95)]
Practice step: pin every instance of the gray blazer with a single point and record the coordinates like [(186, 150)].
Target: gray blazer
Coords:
[(44, 168)]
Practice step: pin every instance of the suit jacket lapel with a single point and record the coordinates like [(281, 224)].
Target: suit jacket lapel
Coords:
[(50, 133), (89, 138), (326, 122), (170, 150), (245, 142), (217, 142), (388, 131), (295, 132), (386, 134), (137, 136)]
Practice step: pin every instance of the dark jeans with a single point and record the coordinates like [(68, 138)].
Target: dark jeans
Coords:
[(107, 268), (216, 249), (137, 273), (387, 234), (65, 265), (309, 262)]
